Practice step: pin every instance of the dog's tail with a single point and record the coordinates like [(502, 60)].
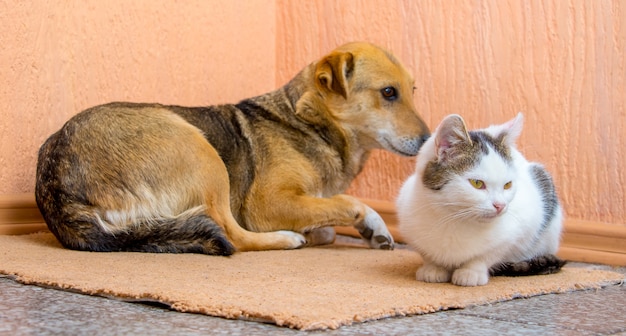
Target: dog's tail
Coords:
[(545, 264), (196, 234), (191, 233)]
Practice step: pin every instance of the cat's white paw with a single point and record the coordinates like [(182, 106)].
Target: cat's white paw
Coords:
[(470, 277), (432, 273), (374, 231)]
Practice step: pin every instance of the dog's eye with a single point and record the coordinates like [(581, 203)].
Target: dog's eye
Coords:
[(389, 93)]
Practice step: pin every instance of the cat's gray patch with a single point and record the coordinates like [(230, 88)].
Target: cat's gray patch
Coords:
[(548, 193), (498, 144), (462, 157)]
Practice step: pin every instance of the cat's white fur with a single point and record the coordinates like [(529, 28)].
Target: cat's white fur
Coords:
[(458, 230)]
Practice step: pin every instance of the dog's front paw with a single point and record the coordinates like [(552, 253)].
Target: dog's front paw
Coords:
[(470, 277), (291, 240), (374, 231)]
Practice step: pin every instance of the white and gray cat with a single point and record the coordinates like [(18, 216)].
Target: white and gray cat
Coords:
[(475, 206)]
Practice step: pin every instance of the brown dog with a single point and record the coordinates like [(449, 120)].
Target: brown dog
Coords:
[(259, 175)]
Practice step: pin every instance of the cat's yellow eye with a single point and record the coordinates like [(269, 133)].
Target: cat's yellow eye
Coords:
[(508, 185), (478, 184)]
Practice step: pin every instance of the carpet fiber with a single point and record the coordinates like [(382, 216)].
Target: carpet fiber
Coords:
[(311, 288)]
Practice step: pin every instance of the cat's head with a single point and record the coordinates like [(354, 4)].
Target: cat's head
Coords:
[(472, 173)]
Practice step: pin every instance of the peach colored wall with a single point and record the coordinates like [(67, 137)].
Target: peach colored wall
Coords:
[(60, 57), (563, 63)]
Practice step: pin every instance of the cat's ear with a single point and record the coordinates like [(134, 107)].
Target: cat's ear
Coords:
[(450, 132), (512, 129)]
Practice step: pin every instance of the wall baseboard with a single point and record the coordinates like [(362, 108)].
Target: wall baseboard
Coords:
[(19, 215), (585, 241)]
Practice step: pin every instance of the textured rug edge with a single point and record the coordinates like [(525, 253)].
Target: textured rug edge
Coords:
[(604, 278), (296, 322), (413, 311)]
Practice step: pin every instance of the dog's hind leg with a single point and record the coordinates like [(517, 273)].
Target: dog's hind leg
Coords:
[(244, 240), (217, 201)]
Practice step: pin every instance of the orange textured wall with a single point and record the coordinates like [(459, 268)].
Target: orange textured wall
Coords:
[(60, 57), (562, 63)]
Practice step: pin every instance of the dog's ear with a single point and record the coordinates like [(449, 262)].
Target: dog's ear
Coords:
[(333, 71)]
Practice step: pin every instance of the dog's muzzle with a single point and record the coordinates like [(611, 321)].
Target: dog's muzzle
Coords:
[(406, 146)]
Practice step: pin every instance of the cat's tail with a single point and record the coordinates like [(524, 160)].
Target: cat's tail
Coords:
[(545, 264)]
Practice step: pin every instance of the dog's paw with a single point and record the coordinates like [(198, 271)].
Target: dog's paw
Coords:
[(432, 273), (470, 277), (320, 236), (291, 240), (374, 231)]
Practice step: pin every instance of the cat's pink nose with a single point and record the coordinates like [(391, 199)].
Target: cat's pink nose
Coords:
[(499, 207)]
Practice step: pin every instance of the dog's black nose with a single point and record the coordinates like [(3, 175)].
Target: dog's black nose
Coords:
[(422, 140)]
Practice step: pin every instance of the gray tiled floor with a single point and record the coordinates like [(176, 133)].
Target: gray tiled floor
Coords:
[(31, 310)]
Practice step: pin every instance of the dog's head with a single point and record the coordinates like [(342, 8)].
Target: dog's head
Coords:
[(370, 94)]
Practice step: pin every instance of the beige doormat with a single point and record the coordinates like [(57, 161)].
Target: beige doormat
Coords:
[(311, 288)]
